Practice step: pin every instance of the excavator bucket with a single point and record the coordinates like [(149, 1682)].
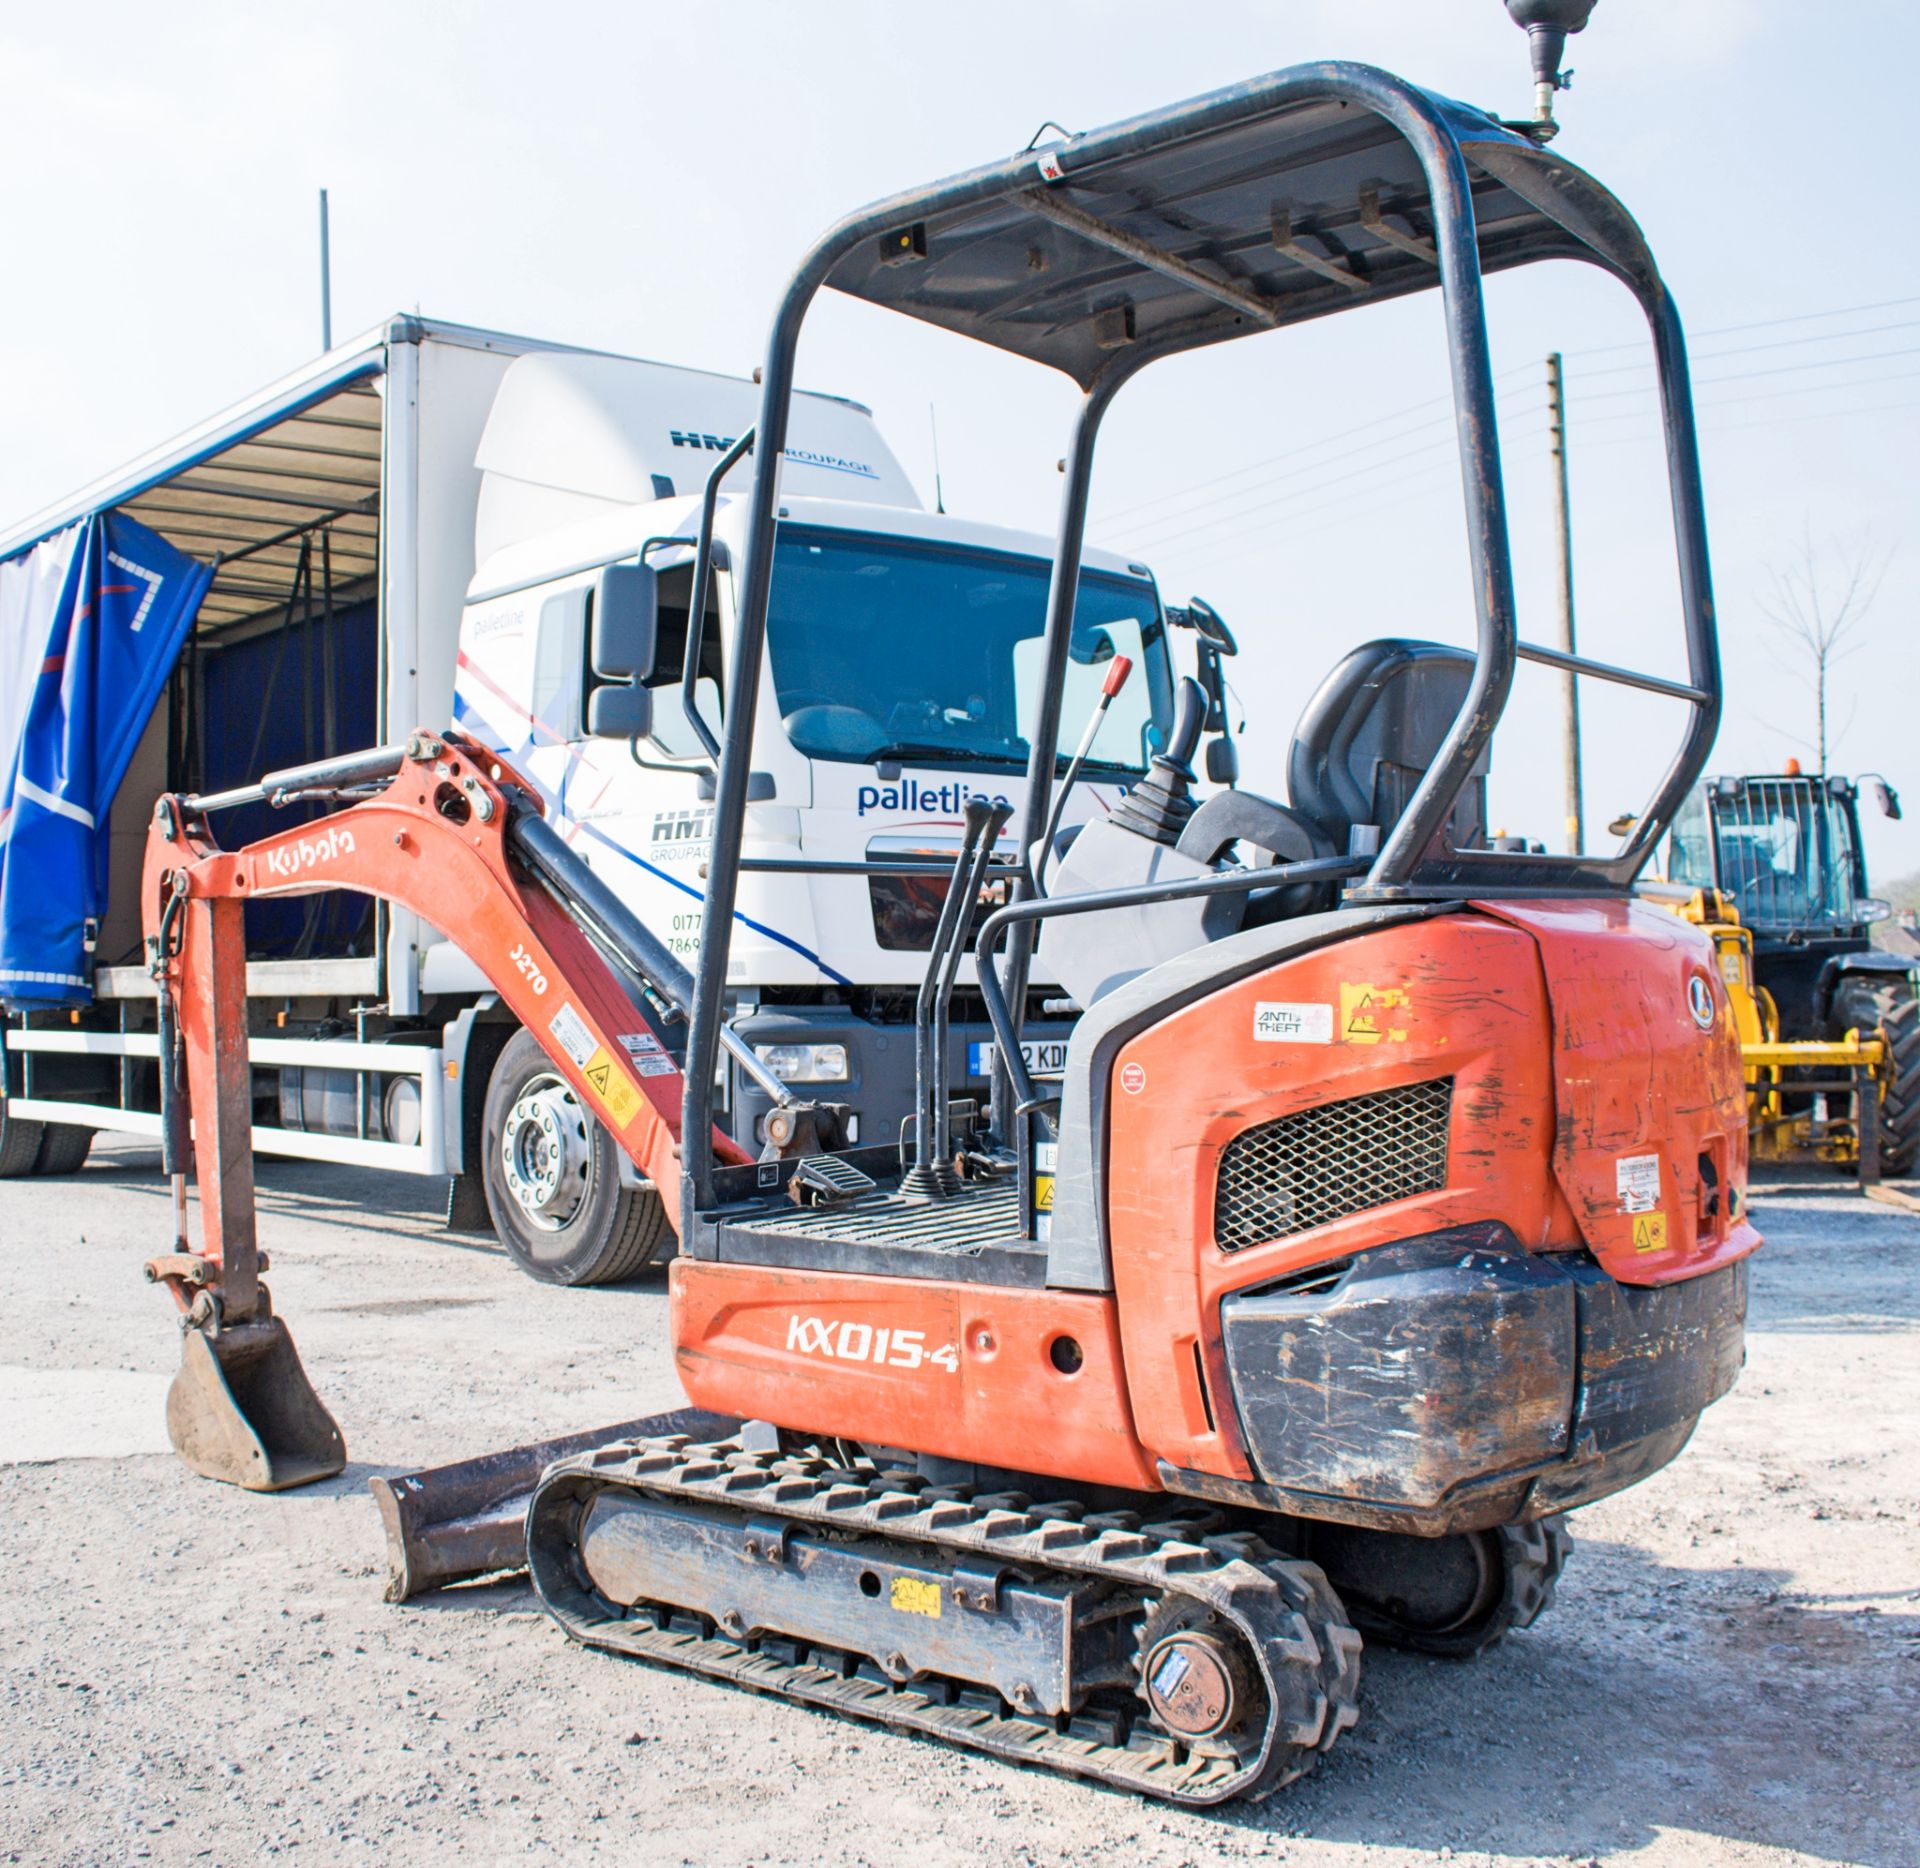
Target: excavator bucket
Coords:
[(241, 1409)]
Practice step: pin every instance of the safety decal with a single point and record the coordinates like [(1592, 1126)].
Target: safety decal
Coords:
[(647, 1054), (1637, 1180), (1275, 1022), (912, 1595), (1046, 1156), (571, 1029), (612, 1086), (1367, 1012), (1650, 1232), (1133, 1078)]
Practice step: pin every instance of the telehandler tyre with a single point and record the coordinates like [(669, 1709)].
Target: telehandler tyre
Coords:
[(553, 1180), (1886, 1007)]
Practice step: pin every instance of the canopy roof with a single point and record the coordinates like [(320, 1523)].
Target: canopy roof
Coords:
[(1289, 197)]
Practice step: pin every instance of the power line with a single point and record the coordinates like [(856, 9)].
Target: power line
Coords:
[(1748, 376), (1306, 447), (1706, 406), (1712, 429), (1777, 343), (1178, 497), (1760, 324), (1239, 514)]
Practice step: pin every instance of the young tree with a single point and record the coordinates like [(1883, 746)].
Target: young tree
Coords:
[(1818, 602)]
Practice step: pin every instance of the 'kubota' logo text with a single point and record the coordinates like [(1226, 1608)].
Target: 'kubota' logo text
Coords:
[(290, 859)]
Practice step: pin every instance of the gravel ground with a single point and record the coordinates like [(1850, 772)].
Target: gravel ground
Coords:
[(192, 1674)]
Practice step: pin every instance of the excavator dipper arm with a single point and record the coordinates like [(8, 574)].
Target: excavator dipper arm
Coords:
[(456, 836)]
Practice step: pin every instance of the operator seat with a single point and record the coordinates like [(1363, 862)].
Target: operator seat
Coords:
[(1368, 737)]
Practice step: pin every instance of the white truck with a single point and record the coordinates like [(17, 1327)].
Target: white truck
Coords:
[(414, 530)]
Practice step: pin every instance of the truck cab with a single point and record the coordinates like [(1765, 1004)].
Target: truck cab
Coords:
[(904, 656)]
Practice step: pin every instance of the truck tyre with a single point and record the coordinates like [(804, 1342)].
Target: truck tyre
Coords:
[(63, 1148), (19, 1145), (553, 1179), (1885, 1006)]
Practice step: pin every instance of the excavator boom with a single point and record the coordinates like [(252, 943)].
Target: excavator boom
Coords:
[(457, 836)]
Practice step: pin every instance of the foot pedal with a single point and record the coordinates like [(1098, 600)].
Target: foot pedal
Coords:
[(826, 1180)]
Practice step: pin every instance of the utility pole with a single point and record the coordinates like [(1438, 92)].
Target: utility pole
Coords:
[(326, 280), (1563, 537)]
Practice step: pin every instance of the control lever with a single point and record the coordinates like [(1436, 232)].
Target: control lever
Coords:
[(1190, 719), (1116, 679), (941, 1106), (929, 1073)]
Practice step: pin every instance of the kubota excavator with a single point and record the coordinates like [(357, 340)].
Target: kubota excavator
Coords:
[(1390, 1203)]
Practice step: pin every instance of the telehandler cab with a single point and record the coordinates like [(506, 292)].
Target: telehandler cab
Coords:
[(1829, 1023), (1392, 1200)]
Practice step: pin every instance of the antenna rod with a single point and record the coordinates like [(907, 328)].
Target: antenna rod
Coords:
[(326, 280), (939, 497)]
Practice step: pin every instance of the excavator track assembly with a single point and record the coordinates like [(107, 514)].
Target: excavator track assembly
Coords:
[(1169, 1658)]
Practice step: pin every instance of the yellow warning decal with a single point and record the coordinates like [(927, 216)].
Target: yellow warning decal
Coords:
[(613, 1086), (1366, 1012), (911, 1596), (1043, 1193), (1650, 1232)]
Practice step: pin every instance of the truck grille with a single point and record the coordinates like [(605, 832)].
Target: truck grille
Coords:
[(1317, 1165)]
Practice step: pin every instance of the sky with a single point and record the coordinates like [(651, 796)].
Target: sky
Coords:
[(644, 180)]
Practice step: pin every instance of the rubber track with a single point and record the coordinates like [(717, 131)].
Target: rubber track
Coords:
[(1285, 1611)]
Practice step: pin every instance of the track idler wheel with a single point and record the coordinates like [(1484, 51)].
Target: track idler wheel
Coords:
[(1453, 1595), (242, 1410)]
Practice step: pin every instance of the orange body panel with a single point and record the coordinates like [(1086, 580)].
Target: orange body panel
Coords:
[(964, 1371), (1577, 1004), (1638, 1074)]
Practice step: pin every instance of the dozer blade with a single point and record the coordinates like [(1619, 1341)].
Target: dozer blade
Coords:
[(242, 1410), (447, 1524)]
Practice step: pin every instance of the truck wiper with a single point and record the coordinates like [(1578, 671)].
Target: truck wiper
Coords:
[(928, 753)]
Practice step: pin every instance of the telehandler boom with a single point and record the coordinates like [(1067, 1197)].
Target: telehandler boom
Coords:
[(1391, 1202)]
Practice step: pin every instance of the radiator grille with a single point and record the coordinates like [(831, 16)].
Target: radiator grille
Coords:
[(1321, 1164)]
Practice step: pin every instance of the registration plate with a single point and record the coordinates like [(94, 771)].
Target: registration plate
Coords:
[(1043, 1057)]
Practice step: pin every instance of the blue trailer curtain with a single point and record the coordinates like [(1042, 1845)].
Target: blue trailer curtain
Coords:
[(91, 623)]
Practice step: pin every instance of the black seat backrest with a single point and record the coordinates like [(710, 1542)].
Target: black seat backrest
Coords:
[(1368, 736)]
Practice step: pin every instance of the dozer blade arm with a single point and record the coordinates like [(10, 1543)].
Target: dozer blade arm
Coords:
[(456, 835)]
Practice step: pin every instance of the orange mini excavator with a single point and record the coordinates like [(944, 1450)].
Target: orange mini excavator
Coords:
[(1389, 1202)]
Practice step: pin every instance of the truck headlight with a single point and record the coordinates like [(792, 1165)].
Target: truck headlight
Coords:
[(1871, 908), (805, 1063)]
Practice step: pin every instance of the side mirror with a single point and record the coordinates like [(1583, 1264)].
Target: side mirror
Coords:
[(1887, 798), (1211, 626), (619, 712), (1223, 761), (626, 626)]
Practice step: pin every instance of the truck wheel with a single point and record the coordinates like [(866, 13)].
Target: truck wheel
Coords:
[(19, 1145), (1888, 1007), (553, 1180), (63, 1148)]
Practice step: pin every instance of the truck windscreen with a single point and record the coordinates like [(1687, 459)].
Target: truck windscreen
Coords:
[(894, 648)]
